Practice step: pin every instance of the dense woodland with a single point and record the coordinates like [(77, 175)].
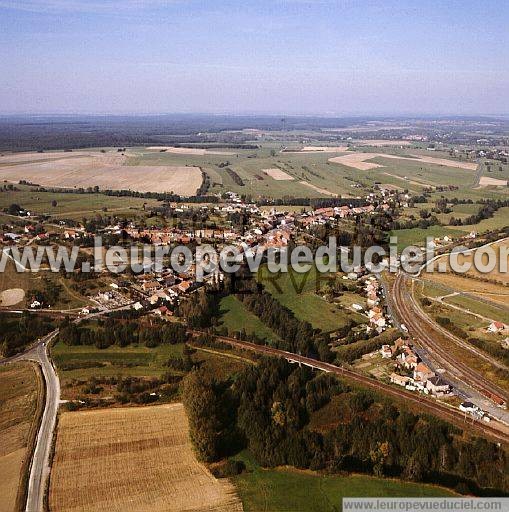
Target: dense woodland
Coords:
[(104, 334), (275, 410), (20, 330)]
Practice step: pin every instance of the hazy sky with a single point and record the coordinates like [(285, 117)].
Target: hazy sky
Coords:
[(280, 56)]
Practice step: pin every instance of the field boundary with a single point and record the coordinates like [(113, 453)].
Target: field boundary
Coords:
[(21, 496)]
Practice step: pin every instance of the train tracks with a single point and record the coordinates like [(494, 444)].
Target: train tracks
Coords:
[(429, 336), (496, 431)]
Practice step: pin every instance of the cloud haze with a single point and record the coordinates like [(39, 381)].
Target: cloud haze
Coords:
[(286, 56)]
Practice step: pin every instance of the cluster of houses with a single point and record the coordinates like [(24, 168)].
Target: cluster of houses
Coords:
[(412, 373), (376, 316)]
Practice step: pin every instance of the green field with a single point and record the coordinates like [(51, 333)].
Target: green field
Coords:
[(134, 360), (70, 205), (285, 490), (235, 317), (499, 220), (301, 293), (417, 236), (481, 308)]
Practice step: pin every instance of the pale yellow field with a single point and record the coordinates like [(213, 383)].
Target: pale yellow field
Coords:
[(13, 158), (278, 174), (324, 149), (11, 296), (381, 142), (138, 459), (359, 161), (317, 149), (18, 405), (318, 189), (107, 171), (486, 181), (188, 151), (356, 160)]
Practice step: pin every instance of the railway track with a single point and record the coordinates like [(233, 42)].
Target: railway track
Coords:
[(455, 416), (428, 335)]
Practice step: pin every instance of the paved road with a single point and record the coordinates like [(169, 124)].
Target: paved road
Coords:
[(40, 468)]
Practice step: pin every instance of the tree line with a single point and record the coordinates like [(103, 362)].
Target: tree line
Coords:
[(273, 409)]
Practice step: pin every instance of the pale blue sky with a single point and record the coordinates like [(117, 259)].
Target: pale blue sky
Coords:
[(279, 56)]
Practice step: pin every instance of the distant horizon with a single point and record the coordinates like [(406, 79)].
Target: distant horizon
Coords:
[(331, 115)]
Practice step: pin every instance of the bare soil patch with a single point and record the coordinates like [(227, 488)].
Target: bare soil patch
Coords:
[(188, 151), (381, 142), (278, 174), (12, 296), (486, 181), (318, 149), (136, 458)]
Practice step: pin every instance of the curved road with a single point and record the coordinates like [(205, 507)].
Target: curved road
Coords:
[(39, 469), (40, 464)]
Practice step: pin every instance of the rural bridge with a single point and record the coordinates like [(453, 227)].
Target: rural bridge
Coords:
[(495, 430)]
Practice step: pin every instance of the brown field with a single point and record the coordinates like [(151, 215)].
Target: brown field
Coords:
[(486, 181), (107, 171), (318, 189), (188, 151), (19, 385), (278, 174), (137, 458), (358, 161), (12, 296)]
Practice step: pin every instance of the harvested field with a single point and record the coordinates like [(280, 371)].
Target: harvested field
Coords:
[(13, 158), (318, 189), (381, 142), (107, 171), (323, 149), (486, 181), (19, 385), (278, 174), (12, 296), (358, 161), (136, 458), (470, 166), (188, 151), (317, 149)]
